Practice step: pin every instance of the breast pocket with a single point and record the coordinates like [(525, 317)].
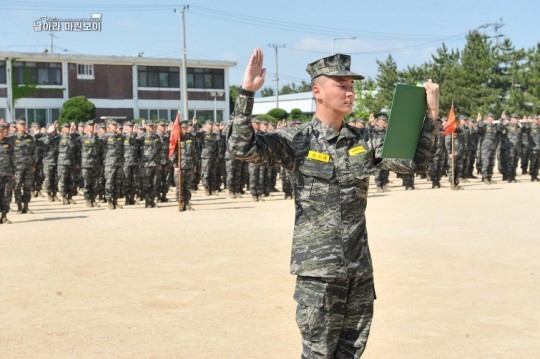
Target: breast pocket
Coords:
[(361, 164), (315, 177)]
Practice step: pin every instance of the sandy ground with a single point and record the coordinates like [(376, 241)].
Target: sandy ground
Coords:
[(457, 276)]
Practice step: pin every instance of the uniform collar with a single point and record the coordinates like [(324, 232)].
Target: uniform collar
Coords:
[(328, 133)]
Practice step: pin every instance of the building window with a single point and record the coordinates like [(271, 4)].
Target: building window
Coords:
[(85, 71), (41, 116), (159, 76), (157, 114), (198, 78), (3, 113), (2, 72), (40, 73)]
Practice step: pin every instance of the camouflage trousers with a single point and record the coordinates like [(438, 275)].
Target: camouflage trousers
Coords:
[(256, 186), (51, 178), (381, 177), (114, 176), (334, 316), (151, 178), (286, 182), (90, 182), (535, 163), (24, 179), (209, 173), (65, 181), (487, 158), (234, 175), (187, 176), (436, 167), (5, 193), (131, 179)]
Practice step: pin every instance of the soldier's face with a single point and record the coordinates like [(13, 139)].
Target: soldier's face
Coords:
[(90, 129), (21, 127), (3, 134), (128, 129), (150, 129), (334, 95), (112, 128)]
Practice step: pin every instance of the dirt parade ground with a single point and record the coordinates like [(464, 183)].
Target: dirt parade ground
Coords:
[(457, 275)]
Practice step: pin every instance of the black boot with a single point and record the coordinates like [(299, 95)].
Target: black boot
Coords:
[(4, 219), (19, 208), (25, 209), (128, 201), (110, 204), (50, 197), (116, 205)]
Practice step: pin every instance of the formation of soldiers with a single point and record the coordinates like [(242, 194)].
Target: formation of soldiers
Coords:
[(113, 161), (477, 143)]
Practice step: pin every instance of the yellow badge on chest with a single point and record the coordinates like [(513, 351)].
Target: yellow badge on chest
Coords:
[(317, 156), (356, 150)]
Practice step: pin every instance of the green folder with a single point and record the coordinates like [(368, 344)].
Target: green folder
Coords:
[(405, 122)]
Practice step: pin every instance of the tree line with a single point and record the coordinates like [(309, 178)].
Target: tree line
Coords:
[(484, 76)]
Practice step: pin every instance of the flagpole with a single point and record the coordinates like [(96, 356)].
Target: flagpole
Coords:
[(180, 209), (453, 168)]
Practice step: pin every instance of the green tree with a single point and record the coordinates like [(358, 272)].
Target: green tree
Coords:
[(77, 109), (387, 78), (267, 92), (532, 80), (296, 113), (443, 70), (365, 103), (278, 113), (475, 78), (234, 92), (267, 117)]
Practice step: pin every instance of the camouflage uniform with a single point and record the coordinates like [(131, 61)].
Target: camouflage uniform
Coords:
[(510, 147), (113, 160), (90, 163), (489, 139), (150, 167), (132, 168), (165, 167), (38, 167), (436, 164), (209, 158), (7, 170), (49, 148), (67, 154), (330, 253), (381, 175), (525, 151), (187, 166), (534, 143), (24, 148)]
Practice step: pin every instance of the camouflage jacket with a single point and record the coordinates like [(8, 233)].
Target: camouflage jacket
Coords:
[(210, 145), (534, 137), (150, 150), (187, 146), (331, 171), (131, 150), (24, 148), (67, 150), (90, 151), (489, 135), (164, 155), (49, 147), (112, 150), (7, 167)]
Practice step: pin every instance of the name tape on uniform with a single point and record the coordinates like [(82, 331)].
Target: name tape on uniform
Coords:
[(317, 156)]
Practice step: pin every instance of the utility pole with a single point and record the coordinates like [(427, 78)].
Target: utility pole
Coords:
[(277, 76), (52, 43), (184, 94), (496, 26)]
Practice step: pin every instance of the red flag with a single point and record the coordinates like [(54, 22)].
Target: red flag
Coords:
[(451, 123), (175, 135)]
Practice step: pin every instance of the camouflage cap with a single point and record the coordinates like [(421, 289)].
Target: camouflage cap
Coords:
[(489, 115), (264, 122), (90, 122), (66, 124), (3, 126), (20, 121), (256, 120), (112, 122), (149, 123), (128, 123), (208, 122), (514, 115), (463, 117), (382, 116), (335, 65)]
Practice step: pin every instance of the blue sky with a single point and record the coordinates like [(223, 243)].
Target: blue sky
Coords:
[(229, 30)]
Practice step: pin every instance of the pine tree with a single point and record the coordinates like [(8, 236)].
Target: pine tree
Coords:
[(387, 78)]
